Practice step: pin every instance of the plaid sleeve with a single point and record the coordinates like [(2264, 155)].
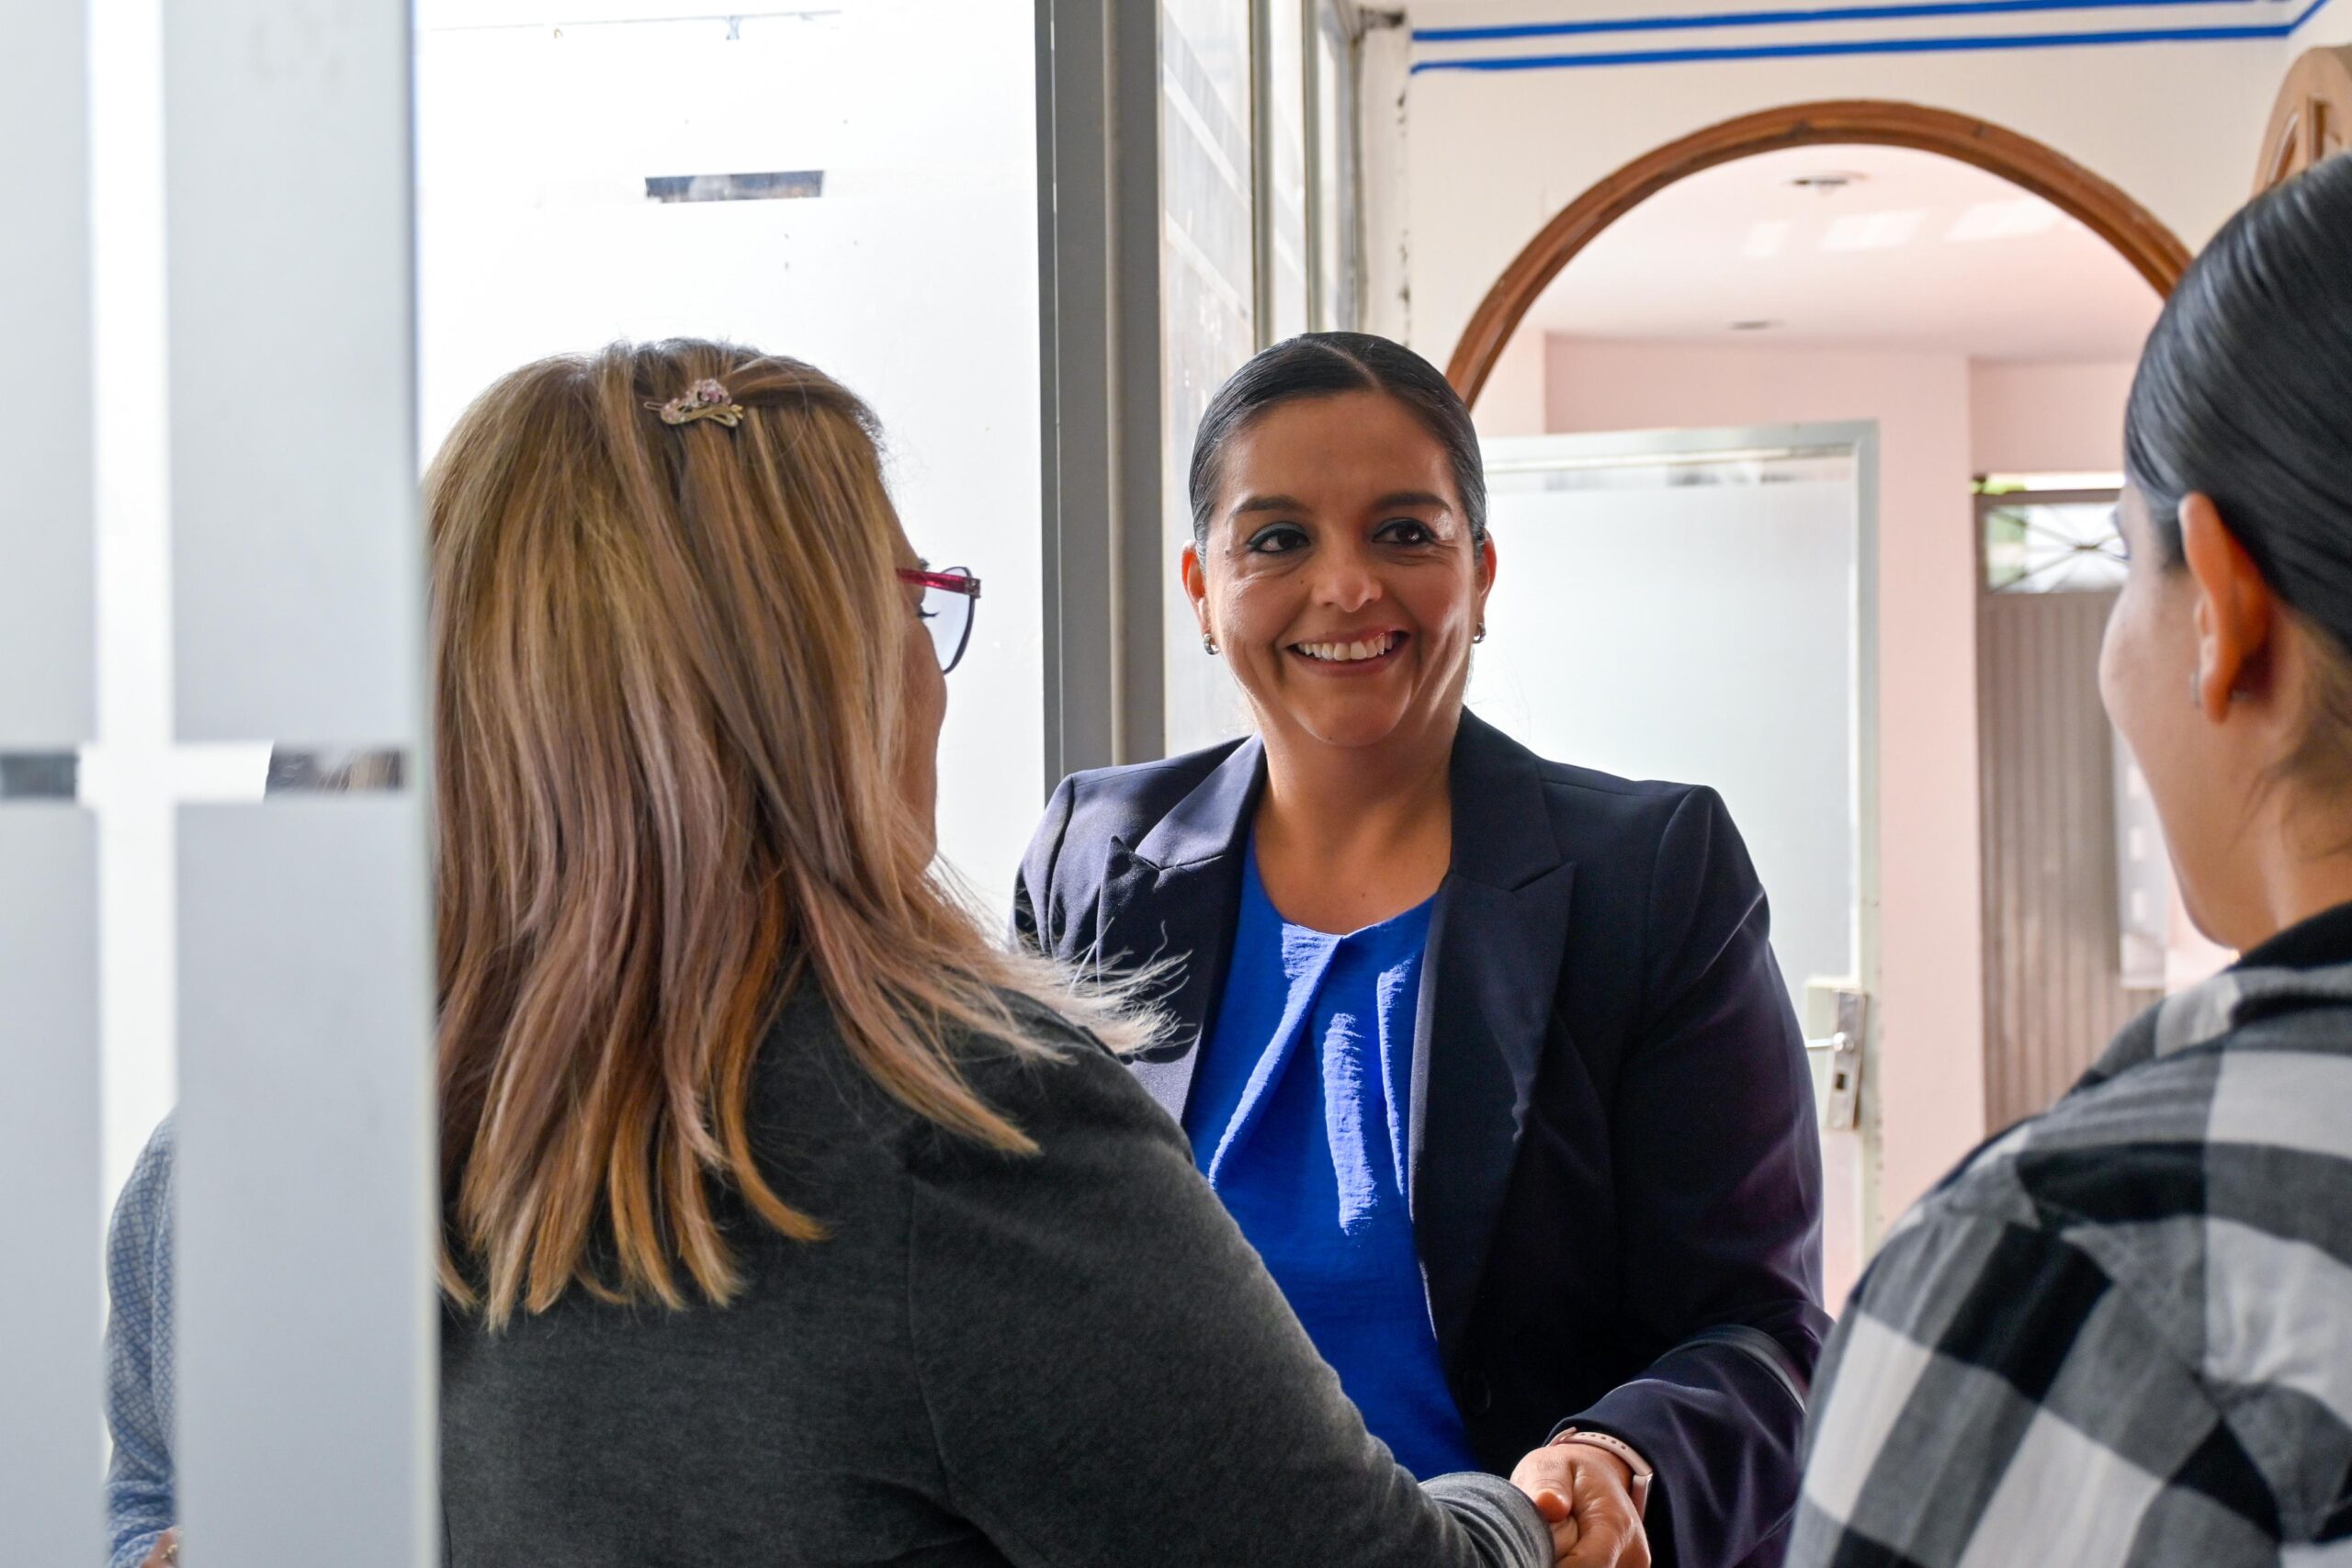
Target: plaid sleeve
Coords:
[(1992, 1398)]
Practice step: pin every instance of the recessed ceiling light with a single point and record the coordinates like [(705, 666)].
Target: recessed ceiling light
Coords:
[(2005, 219), (1873, 231), (1758, 326), (1827, 181)]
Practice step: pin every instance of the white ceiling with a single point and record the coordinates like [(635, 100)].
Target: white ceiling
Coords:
[(1921, 252)]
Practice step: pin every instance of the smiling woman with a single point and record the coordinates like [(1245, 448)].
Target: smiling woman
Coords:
[(1347, 601), (1538, 1172)]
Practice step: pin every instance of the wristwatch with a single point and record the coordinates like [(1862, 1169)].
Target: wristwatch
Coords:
[(1614, 1447)]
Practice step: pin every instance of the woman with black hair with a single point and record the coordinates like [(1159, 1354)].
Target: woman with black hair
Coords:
[(1487, 1054), (2123, 1331)]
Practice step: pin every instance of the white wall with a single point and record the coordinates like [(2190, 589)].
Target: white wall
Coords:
[(2047, 418), (1931, 1083), (2331, 29), (1494, 155)]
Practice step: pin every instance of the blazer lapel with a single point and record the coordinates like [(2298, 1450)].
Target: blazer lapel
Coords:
[(1500, 936), (1171, 901)]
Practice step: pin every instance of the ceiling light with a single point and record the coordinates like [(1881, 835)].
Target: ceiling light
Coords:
[(1764, 239), (1873, 231), (1753, 326), (2005, 219), (1829, 181)]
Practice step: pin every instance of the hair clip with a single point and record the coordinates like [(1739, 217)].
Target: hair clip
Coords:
[(704, 400)]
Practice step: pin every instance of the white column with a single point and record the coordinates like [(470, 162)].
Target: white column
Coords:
[(307, 1321), (52, 1441)]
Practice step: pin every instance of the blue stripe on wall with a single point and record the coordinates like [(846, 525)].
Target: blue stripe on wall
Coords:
[(1950, 45), (1822, 50), (1791, 18)]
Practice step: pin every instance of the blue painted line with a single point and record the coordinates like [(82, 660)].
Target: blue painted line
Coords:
[(2314, 9), (1873, 46), (1794, 17)]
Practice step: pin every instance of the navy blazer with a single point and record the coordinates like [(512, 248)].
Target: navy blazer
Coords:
[(1616, 1175)]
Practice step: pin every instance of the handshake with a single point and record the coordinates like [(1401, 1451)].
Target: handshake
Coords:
[(1591, 1495)]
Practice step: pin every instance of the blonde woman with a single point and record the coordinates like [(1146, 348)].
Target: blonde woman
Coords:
[(788, 1219)]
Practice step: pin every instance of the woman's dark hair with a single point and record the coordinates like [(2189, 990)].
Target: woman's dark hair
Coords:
[(2244, 395), (1323, 365)]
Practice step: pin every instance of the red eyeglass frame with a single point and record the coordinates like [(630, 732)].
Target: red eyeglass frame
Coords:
[(953, 580)]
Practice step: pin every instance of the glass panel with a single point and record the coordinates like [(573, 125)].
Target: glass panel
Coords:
[(1700, 620), (297, 597), (304, 1181), (853, 186), (1334, 189), (1695, 621), (301, 1402), (1208, 321), (2038, 545), (47, 612), (52, 1444), (1286, 116)]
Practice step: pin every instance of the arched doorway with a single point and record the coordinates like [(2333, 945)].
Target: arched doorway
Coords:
[(2152, 250), (1727, 308)]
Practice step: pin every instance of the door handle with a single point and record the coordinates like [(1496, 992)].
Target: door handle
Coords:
[(1838, 1061)]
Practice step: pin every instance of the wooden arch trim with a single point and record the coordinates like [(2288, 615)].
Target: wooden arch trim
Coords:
[(2152, 249), (2312, 120)]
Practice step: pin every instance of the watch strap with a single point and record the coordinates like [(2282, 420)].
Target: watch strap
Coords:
[(1615, 1448)]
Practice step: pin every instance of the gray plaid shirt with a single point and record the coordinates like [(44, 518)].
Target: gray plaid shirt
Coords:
[(2121, 1332)]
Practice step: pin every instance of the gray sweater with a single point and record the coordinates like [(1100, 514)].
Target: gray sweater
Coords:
[(1068, 1359)]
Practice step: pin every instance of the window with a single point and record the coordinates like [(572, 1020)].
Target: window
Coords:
[(1258, 219), (1208, 303), (1282, 218), (1332, 188), (2049, 541), (852, 186)]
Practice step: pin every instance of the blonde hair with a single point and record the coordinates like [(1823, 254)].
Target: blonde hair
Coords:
[(668, 663)]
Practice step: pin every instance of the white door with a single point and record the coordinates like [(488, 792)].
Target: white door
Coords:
[(1696, 606)]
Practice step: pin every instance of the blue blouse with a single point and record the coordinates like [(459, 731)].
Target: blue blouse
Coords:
[(1301, 1115)]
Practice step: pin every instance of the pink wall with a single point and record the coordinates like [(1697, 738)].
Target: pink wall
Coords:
[(1511, 402), (2047, 418), (1931, 1077)]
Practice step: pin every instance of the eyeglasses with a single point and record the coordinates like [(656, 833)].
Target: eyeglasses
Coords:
[(946, 610)]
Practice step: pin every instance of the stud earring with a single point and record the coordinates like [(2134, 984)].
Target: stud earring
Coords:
[(1480, 635), (1208, 644)]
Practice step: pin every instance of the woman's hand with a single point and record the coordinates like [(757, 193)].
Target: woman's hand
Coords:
[(1586, 1494), (1559, 1517), (167, 1550)]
